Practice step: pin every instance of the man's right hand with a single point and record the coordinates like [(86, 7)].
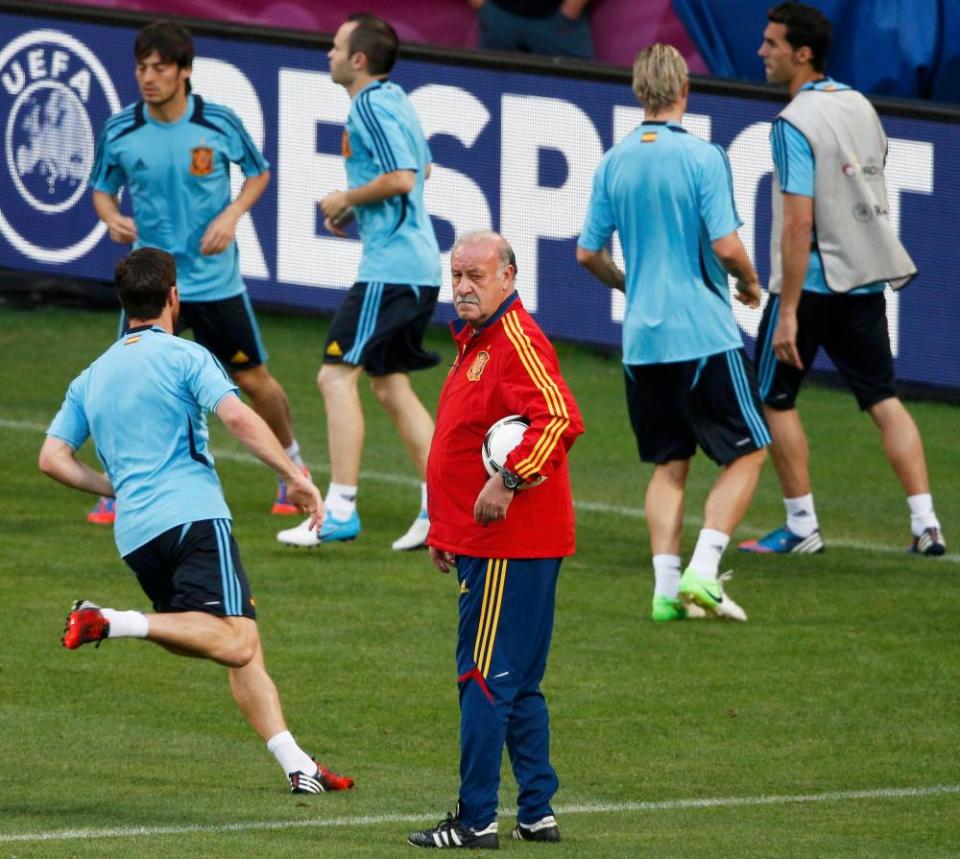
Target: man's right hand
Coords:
[(443, 561), (306, 496), (122, 229)]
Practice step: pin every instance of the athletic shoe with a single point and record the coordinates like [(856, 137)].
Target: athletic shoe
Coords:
[(282, 507), (322, 781), (709, 594), (665, 609), (783, 541), (452, 833), (85, 624), (332, 530), (545, 829), (104, 512), (930, 542), (416, 536)]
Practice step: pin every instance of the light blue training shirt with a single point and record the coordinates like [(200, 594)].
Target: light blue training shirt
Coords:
[(144, 401), (178, 175), (794, 162), (383, 134), (668, 194)]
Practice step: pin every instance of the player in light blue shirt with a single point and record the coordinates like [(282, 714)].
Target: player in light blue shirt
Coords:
[(144, 403), (379, 327), (172, 152), (159, 465), (383, 135), (669, 195)]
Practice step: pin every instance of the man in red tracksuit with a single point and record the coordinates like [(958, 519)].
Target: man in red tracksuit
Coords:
[(506, 535)]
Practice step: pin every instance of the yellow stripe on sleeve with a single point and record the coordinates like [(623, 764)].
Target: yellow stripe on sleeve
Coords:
[(556, 405), (534, 366)]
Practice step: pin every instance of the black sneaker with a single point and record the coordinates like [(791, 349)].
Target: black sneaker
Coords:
[(545, 829), (321, 781), (930, 543), (452, 833)]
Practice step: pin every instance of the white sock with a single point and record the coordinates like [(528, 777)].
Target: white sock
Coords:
[(801, 517), (423, 497), (341, 500), (126, 624), (710, 548), (666, 576), (921, 513), (294, 453), (289, 755)]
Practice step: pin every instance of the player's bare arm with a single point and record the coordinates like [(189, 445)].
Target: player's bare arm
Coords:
[(222, 229), (733, 257), (59, 461), (601, 265), (122, 229), (795, 255), (386, 185), (245, 425)]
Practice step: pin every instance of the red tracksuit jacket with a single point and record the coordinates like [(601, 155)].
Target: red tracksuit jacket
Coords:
[(506, 367)]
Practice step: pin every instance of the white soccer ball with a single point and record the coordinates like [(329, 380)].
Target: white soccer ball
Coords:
[(501, 438)]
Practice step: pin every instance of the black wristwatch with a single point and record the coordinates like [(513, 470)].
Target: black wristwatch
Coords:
[(511, 480)]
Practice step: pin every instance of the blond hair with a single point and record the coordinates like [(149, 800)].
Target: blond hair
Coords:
[(659, 73)]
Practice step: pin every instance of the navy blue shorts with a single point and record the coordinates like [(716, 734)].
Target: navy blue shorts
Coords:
[(711, 402), (194, 567), (853, 331), (228, 328), (380, 327)]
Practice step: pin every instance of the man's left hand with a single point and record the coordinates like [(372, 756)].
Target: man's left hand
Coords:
[(493, 501), (219, 234)]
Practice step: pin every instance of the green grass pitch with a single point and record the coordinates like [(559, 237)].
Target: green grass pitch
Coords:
[(827, 726)]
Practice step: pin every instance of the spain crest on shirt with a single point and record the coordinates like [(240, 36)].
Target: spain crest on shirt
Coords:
[(476, 368), (201, 161)]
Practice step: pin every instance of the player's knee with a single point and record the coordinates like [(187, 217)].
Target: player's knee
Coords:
[(381, 391), (243, 643), (390, 391), (253, 381), (334, 382)]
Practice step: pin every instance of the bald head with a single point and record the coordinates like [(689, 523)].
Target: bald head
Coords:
[(484, 269)]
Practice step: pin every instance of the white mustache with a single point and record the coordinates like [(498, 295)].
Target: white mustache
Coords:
[(466, 299)]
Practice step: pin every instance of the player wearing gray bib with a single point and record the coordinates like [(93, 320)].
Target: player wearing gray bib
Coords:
[(833, 250)]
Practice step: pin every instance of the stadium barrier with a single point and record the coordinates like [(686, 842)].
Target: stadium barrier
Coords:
[(515, 143)]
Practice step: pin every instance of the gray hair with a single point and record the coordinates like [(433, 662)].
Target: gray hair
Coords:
[(505, 253), (659, 73)]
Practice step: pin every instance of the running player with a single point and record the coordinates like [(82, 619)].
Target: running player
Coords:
[(172, 151), (144, 403), (380, 325)]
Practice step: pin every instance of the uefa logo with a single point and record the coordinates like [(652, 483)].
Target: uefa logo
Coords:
[(54, 95)]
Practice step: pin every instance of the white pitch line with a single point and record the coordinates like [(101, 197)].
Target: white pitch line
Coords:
[(593, 808), (586, 506)]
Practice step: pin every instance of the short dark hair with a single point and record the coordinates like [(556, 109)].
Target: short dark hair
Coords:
[(172, 41), (144, 279), (806, 27), (377, 39)]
